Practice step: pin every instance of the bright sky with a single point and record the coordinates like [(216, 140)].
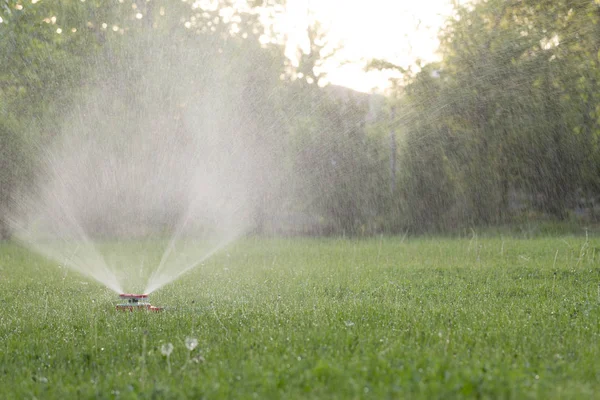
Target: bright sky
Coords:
[(399, 31)]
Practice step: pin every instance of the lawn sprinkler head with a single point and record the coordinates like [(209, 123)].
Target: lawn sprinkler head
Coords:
[(136, 302)]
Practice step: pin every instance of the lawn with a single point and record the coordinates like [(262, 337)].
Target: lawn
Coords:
[(317, 318)]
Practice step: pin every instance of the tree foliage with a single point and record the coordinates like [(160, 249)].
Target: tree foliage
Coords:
[(507, 124), (65, 61), (509, 119)]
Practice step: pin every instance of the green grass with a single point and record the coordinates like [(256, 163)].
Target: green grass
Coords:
[(323, 318)]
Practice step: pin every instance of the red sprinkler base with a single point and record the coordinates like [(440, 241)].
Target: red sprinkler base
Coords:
[(136, 302)]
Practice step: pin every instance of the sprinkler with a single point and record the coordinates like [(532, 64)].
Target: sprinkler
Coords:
[(136, 302)]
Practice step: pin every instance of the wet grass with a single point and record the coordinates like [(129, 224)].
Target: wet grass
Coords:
[(379, 318)]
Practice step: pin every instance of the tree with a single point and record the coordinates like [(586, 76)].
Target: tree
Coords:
[(507, 112)]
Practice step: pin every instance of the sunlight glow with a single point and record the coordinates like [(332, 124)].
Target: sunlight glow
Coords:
[(400, 31)]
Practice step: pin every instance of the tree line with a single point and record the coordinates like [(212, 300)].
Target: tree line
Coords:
[(505, 126)]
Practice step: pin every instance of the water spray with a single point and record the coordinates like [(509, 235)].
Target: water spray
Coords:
[(137, 302)]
